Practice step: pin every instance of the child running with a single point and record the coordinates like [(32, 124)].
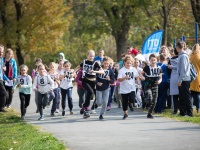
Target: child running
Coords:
[(43, 84), (126, 77), (54, 95), (153, 77), (66, 86), (102, 86), (24, 81), (90, 68)]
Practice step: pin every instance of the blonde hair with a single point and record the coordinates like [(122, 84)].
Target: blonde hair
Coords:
[(23, 66), (9, 50), (195, 49), (90, 51)]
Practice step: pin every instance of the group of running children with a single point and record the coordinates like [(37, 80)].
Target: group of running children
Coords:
[(93, 78)]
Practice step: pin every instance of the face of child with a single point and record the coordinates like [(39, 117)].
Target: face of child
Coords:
[(143, 65), (9, 54), (1, 51), (60, 65), (164, 50), (128, 64), (90, 56), (23, 71), (136, 63), (105, 64), (41, 70), (51, 67), (37, 63), (61, 57), (117, 66), (67, 67), (153, 61)]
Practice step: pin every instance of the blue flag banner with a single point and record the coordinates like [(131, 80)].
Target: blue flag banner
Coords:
[(152, 43)]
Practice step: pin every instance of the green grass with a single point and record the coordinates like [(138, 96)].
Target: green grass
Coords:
[(18, 135), (195, 119)]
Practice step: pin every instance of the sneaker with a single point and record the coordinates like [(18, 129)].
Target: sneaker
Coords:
[(63, 113), (53, 115), (8, 106), (41, 118), (23, 117), (92, 111), (125, 116), (48, 104), (57, 111), (131, 109), (108, 108), (149, 115), (71, 113), (86, 115), (3, 110), (101, 117), (82, 110)]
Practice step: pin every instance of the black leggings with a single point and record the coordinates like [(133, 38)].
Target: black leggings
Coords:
[(126, 99), (42, 102), (25, 100), (89, 86)]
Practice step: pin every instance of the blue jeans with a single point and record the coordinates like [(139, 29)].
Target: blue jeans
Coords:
[(68, 93), (55, 100), (162, 97), (112, 88), (196, 98)]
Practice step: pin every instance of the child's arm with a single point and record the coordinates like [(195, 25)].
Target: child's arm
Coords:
[(51, 83), (78, 77), (35, 84), (29, 83), (141, 75), (138, 81), (160, 79), (111, 78), (100, 71)]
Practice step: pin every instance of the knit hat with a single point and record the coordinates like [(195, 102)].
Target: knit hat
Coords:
[(134, 51)]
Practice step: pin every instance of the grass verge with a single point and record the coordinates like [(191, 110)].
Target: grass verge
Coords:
[(195, 119), (18, 135)]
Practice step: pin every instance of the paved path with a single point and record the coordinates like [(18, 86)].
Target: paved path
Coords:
[(137, 132)]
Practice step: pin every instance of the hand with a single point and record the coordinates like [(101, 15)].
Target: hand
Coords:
[(142, 78), (51, 90), (4, 68), (20, 85), (91, 71), (179, 83), (14, 80), (170, 66), (108, 78), (35, 89), (99, 83), (126, 77), (158, 82)]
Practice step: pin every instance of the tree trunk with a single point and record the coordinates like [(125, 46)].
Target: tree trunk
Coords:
[(18, 7), (121, 44), (196, 10), (165, 19)]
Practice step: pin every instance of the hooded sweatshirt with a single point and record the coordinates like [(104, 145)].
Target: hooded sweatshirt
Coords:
[(183, 67), (63, 55)]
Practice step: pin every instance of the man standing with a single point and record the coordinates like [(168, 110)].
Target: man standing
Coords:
[(184, 80), (100, 57), (3, 92)]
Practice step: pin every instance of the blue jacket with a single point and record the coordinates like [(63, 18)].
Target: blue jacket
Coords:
[(12, 64), (165, 76)]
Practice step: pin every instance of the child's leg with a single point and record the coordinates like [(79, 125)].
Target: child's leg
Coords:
[(27, 101), (45, 100), (36, 99), (125, 102), (99, 97), (69, 97), (59, 97), (105, 96), (63, 102), (22, 105), (55, 100), (40, 103), (3, 95), (81, 93), (51, 96), (10, 95), (110, 95), (153, 94)]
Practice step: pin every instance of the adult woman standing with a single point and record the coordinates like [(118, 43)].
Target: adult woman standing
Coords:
[(195, 85)]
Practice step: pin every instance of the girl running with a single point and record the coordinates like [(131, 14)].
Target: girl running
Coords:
[(103, 87), (43, 84), (126, 77), (90, 68), (24, 81), (66, 86)]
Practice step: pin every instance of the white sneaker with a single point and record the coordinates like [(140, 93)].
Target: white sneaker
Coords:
[(92, 111), (57, 111)]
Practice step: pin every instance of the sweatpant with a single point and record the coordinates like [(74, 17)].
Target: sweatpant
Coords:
[(185, 100), (112, 88), (102, 99), (81, 95), (42, 102), (89, 86), (151, 95), (162, 98), (25, 100), (10, 95), (118, 96), (55, 100), (175, 103), (67, 93), (3, 95), (196, 97), (126, 99)]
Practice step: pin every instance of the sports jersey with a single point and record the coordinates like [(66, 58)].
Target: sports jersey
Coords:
[(151, 75), (44, 83), (26, 83), (128, 85), (102, 78), (88, 66), (66, 82)]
